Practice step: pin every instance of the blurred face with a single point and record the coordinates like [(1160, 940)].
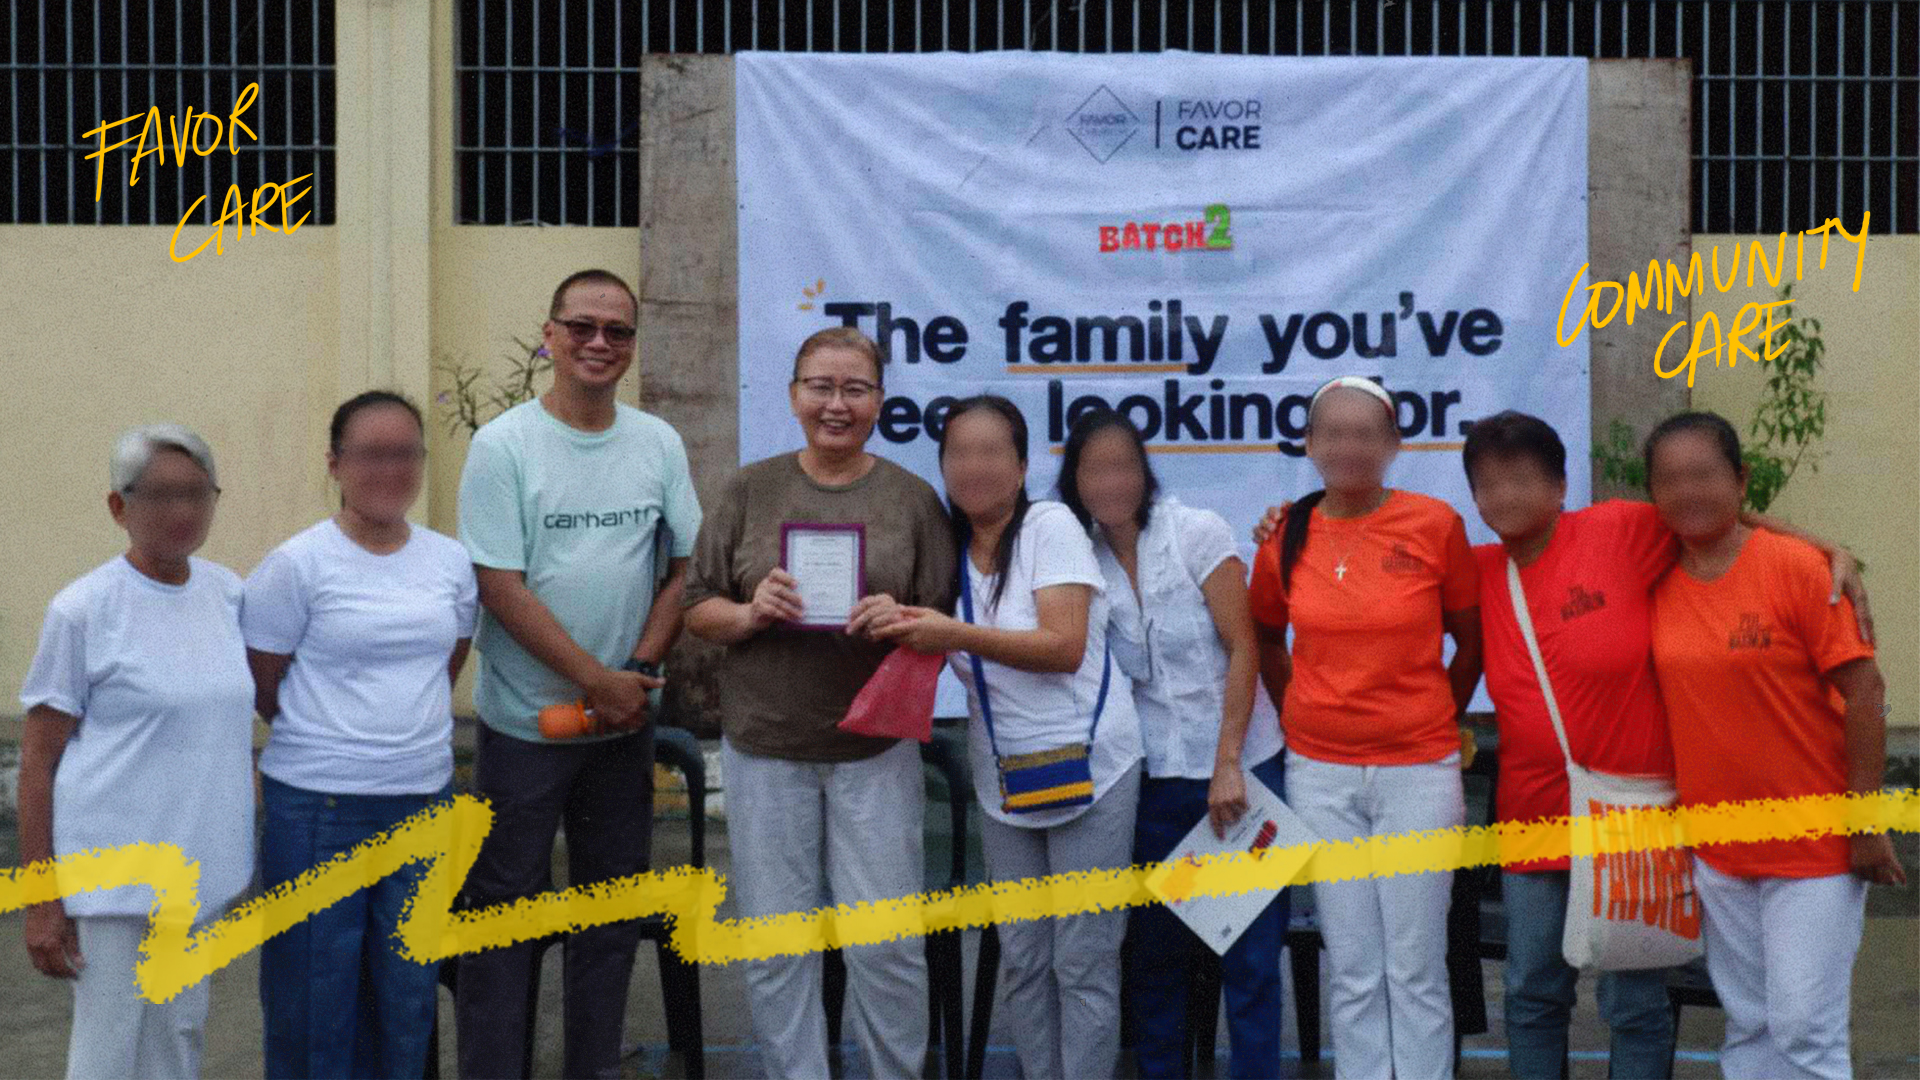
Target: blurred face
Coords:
[(1352, 440), (168, 511), (380, 462), (836, 398), (1112, 484), (1696, 490), (582, 338), (982, 469), (1516, 495)]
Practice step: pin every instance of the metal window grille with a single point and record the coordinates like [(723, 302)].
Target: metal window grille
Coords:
[(69, 65), (1802, 111), (548, 129)]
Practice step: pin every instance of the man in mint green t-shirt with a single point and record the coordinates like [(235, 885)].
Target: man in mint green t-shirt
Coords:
[(562, 504)]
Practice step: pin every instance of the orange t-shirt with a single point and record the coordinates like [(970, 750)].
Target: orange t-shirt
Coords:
[(1741, 661), (1369, 684)]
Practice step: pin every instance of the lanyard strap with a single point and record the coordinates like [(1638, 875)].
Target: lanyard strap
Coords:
[(980, 670)]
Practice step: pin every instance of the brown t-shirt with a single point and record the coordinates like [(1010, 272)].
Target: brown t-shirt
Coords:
[(784, 690)]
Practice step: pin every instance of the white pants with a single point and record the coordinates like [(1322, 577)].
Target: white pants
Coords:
[(1390, 1002), (806, 834), (116, 1033), (1780, 952), (1060, 977)]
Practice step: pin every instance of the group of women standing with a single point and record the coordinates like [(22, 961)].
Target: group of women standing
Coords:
[(1114, 638), (1111, 643), (347, 639)]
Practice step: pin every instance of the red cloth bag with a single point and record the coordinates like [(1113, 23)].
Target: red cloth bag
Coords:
[(897, 703)]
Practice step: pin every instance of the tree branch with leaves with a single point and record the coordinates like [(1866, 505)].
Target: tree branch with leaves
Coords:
[(474, 399)]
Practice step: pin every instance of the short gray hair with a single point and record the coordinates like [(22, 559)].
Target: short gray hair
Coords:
[(134, 451)]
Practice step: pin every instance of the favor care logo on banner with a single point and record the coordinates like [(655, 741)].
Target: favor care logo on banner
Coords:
[(1104, 123)]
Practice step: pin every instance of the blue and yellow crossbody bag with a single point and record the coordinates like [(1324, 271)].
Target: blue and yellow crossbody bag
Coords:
[(1045, 779)]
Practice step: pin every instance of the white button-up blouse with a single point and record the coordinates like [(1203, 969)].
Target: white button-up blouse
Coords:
[(1165, 641)]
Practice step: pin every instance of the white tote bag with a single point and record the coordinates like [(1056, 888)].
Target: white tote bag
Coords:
[(1626, 910)]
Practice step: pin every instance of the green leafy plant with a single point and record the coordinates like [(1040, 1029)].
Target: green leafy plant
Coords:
[(1790, 418), (1792, 415), (474, 399)]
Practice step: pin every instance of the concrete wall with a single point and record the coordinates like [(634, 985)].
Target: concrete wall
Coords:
[(104, 332), (689, 314)]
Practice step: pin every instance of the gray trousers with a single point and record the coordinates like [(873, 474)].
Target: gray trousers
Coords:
[(603, 791), (1060, 977), (115, 1032), (806, 834)]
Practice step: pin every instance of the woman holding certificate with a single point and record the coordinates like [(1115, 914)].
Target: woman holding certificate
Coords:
[(1054, 738), (798, 566)]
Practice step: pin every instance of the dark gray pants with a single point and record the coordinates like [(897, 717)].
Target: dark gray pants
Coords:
[(603, 792)]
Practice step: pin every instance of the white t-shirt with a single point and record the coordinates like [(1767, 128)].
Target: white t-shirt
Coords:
[(1172, 650), (366, 707), (1032, 710), (163, 753)]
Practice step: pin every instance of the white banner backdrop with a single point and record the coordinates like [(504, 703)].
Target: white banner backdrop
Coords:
[(1198, 240)]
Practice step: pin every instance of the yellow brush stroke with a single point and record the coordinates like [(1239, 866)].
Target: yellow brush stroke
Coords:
[(447, 839)]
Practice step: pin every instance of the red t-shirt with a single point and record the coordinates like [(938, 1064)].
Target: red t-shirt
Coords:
[(1369, 686), (1590, 600), (1743, 661)]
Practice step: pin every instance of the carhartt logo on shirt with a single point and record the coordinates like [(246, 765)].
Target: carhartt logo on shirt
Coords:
[(1581, 602), (1402, 561), (1750, 634), (588, 519)]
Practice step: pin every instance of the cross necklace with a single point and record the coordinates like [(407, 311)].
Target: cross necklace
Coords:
[(1340, 568)]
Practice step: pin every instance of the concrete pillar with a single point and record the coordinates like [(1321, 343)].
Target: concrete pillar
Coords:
[(1639, 207), (384, 140), (688, 289)]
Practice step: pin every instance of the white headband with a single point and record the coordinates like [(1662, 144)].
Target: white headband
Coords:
[(1354, 382)]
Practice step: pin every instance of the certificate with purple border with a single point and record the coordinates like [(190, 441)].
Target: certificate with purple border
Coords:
[(830, 564)]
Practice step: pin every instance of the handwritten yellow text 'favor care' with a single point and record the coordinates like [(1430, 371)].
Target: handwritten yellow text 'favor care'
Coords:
[(447, 839)]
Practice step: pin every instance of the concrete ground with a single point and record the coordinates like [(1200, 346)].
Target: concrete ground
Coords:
[(1886, 1004)]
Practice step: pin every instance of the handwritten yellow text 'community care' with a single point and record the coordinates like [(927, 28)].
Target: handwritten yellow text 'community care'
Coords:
[(1656, 292), (447, 838)]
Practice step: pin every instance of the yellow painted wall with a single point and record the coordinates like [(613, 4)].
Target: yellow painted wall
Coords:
[(104, 332), (1866, 493)]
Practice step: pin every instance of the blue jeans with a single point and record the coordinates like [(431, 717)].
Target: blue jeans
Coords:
[(1160, 947), (337, 998), (1540, 992)]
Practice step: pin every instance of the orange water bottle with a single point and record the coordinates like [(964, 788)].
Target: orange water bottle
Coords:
[(568, 720)]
